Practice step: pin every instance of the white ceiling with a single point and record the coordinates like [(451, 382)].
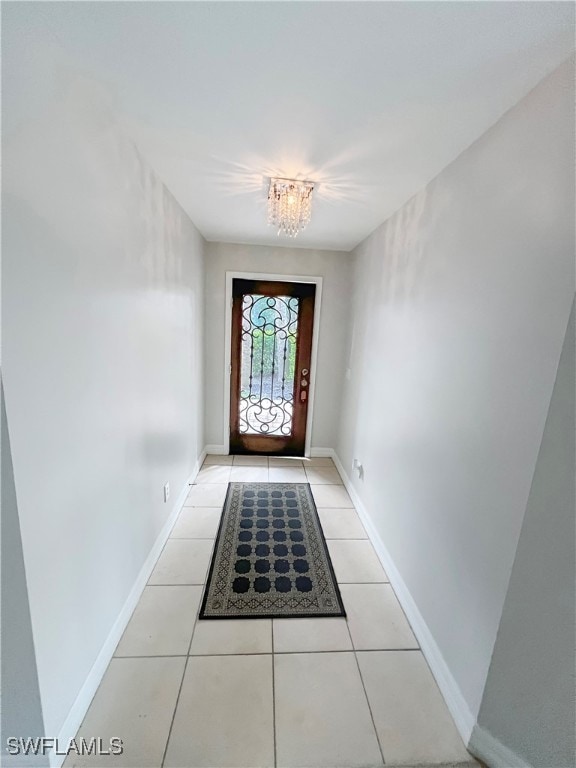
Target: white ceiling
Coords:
[(370, 99)]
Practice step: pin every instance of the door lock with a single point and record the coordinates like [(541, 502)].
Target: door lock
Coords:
[(303, 385)]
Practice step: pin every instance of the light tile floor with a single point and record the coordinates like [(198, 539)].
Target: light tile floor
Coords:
[(292, 693)]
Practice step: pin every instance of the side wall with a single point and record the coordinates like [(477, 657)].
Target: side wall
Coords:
[(334, 268), (528, 704), (21, 705), (102, 355), (460, 306)]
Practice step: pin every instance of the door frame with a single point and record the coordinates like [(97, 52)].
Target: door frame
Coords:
[(317, 281)]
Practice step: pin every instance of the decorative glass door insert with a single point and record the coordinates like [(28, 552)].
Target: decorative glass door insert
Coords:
[(269, 336), (271, 348)]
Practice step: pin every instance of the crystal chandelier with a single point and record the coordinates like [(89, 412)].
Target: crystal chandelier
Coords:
[(289, 205)]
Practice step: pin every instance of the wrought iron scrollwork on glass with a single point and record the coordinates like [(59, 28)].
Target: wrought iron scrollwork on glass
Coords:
[(269, 335)]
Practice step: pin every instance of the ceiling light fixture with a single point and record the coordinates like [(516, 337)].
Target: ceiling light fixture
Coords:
[(289, 205)]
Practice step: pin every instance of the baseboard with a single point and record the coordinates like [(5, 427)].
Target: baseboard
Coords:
[(492, 752), (456, 703), (216, 450), (90, 686), (320, 453), (198, 466)]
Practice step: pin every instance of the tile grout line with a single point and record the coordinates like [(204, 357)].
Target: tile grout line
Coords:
[(177, 584), (265, 653), (369, 709), (154, 656), (195, 623), (212, 538), (174, 713), (273, 696), (181, 686), (193, 538), (323, 485), (366, 695)]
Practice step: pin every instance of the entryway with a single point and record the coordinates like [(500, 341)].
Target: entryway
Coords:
[(328, 692)]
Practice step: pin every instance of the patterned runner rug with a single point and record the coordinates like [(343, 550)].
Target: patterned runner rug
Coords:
[(270, 559)]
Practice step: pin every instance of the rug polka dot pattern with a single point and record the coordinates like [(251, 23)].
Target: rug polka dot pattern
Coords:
[(270, 557)]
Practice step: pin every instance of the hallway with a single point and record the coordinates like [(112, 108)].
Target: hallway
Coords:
[(343, 230), (291, 693)]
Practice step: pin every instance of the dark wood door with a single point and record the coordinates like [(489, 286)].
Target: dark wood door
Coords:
[(272, 326)]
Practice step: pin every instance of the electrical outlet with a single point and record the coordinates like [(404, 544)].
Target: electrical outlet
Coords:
[(166, 492)]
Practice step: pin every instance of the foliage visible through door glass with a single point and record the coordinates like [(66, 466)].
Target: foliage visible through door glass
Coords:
[(268, 355), (265, 352)]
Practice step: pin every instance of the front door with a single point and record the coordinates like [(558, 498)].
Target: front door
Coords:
[(270, 373)]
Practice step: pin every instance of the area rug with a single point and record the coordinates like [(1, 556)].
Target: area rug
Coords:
[(270, 559)]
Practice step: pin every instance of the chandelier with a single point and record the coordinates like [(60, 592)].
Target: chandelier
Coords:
[(289, 205)]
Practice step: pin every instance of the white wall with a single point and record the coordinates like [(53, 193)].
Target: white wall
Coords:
[(334, 268), (528, 704), (460, 304), (102, 356), (21, 705)]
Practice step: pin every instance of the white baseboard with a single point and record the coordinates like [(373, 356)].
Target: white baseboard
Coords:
[(463, 717), (90, 686), (489, 749), (215, 450), (321, 453), (198, 466)]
